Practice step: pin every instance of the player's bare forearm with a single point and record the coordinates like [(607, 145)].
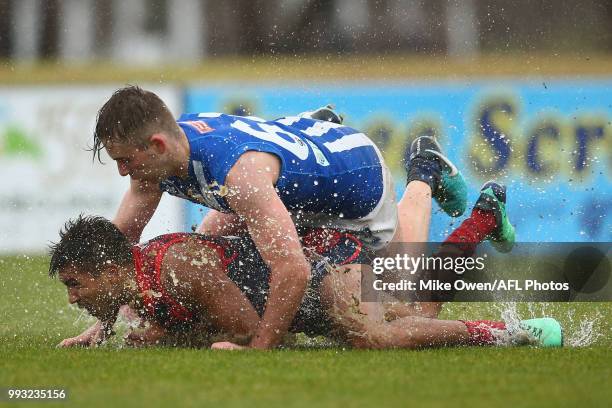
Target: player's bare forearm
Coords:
[(222, 224), (276, 239), (289, 274), (92, 336), (84, 339), (279, 246), (136, 209), (226, 307), (150, 333), (287, 287), (252, 180)]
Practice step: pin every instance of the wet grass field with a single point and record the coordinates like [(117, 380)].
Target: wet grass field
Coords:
[(36, 316)]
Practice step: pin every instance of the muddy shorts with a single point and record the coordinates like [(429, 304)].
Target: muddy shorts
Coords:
[(325, 248)]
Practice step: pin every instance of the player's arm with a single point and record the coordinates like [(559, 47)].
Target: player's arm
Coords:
[(137, 207), (150, 333), (208, 288), (93, 336), (222, 224), (84, 339), (252, 180)]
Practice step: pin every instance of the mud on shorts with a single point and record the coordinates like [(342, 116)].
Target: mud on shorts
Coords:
[(324, 247)]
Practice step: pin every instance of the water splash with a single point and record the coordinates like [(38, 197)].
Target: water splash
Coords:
[(588, 331), (83, 316), (510, 315), (578, 330)]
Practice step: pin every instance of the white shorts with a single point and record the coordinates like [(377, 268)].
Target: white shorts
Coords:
[(375, 229)]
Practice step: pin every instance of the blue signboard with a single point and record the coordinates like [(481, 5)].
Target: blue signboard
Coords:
[(549, 142)]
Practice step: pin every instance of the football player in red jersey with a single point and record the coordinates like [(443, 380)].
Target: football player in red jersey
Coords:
[(195, 285)]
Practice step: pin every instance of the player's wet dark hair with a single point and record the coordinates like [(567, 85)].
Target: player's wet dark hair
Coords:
[(131, 115), (89, 242)]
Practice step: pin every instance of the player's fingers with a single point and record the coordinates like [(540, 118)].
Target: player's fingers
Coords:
[(134, 340), (97, 338), (64, 343), (221, 345), (72, 342), (225, 345)]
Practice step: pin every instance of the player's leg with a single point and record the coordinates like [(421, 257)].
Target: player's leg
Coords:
[(425, 332), (414, 214), (363, 324), (430, 174), (488, 221)]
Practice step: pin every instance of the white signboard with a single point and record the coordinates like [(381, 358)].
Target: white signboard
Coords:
[(47, 174)]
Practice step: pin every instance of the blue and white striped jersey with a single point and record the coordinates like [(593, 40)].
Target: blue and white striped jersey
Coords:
[(326, 168)]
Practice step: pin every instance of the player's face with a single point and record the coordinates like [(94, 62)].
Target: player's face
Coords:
[(96, 294), (138, 162)]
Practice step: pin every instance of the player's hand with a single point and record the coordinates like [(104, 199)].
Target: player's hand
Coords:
[(78, 341), (226, 345), (89, 337), (151, 336)]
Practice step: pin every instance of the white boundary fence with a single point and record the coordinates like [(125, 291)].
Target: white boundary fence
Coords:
[(47, 176)]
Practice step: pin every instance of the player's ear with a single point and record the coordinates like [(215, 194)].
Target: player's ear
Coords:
[(159, 142), (113, 274)]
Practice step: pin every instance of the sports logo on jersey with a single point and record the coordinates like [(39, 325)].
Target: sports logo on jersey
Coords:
[(199, 125), (319, 156)]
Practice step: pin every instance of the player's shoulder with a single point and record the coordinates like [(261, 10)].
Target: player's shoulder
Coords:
[(214, 124), (208, 133), (199, 115), (216, 117), (199, 123), (193, 253)]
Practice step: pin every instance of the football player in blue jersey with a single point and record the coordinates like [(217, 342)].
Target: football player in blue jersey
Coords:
[(275, 180)]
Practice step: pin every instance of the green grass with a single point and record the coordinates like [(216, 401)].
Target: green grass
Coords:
[(36, 317)]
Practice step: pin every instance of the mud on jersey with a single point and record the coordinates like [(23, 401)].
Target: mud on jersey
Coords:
[(326, 168), (235, 254), (247, 270)]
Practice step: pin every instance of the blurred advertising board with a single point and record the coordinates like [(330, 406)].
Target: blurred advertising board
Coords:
[(49, 176), (549, 141)]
